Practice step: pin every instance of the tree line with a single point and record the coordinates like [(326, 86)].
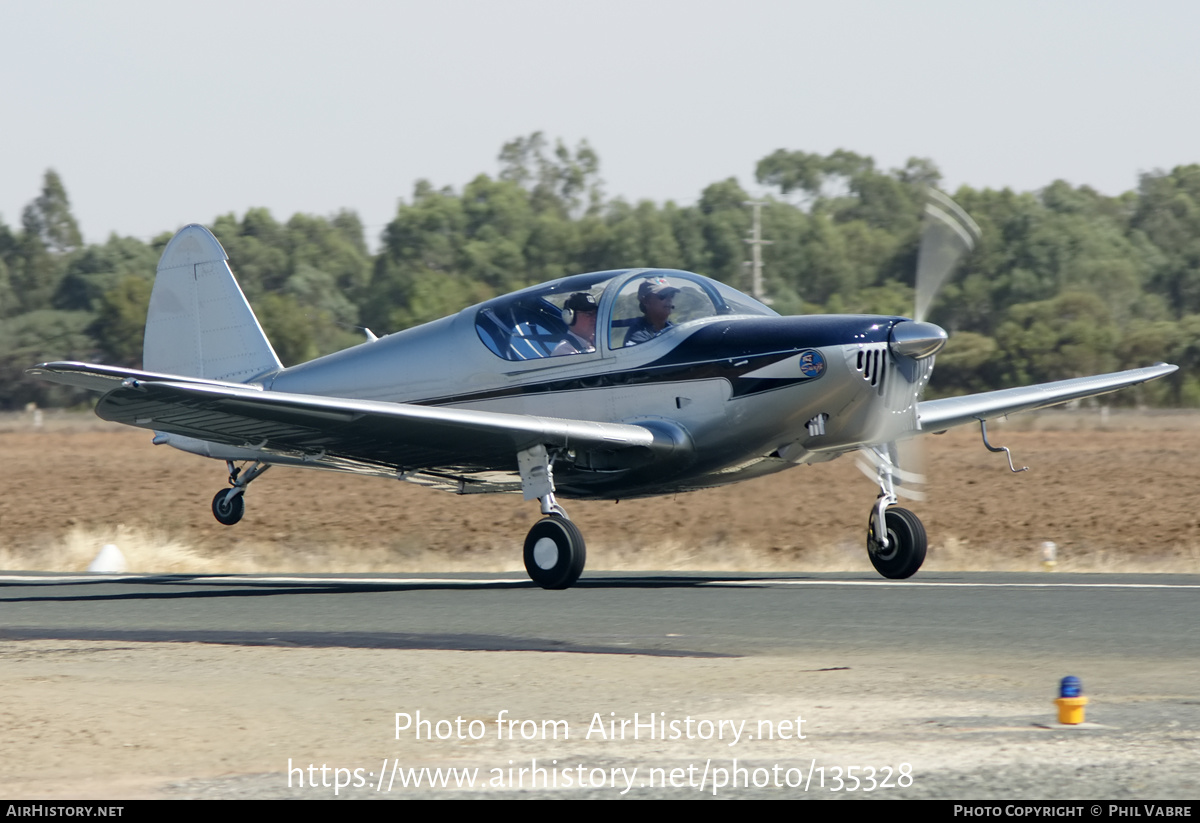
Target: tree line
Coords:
[(1065, 282)]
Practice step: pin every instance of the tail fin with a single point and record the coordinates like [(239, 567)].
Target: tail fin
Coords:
[(199, 323)]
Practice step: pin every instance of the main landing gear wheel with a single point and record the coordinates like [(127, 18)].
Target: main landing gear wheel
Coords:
[(226, 511), (905, 551), (554, 553)]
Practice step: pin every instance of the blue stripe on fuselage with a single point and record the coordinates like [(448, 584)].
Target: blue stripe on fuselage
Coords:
[(755, 336), (718, 350)]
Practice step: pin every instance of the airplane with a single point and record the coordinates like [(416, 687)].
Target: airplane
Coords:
[(673, 382)]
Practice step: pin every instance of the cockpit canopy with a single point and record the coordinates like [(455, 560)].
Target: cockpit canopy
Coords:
[(537, 322)]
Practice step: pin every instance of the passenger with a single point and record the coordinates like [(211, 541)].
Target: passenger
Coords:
[(656, 298), (582, 335)]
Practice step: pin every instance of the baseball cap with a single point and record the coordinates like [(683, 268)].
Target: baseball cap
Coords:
[(656, 285)]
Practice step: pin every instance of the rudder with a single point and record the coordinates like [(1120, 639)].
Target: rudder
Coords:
[(199, 323)]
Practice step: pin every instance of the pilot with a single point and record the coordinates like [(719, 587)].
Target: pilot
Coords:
[(656, 297), (581, 337)]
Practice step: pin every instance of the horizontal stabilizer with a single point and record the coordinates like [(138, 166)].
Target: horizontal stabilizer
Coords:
[(937, 415), (101, 378)]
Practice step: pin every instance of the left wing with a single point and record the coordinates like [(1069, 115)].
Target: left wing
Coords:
[(939, 415)]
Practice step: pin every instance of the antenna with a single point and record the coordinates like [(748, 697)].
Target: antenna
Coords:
[(756, 243)]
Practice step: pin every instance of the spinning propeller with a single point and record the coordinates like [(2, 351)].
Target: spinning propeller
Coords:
[(948, 234)]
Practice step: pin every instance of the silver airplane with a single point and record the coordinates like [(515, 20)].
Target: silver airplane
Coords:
[(610, 385)]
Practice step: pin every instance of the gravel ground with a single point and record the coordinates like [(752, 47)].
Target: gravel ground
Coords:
[(103, 720)]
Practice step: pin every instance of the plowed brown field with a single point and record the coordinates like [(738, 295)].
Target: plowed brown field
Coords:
[(1115, 492)]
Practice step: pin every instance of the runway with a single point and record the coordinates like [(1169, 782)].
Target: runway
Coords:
[(666, 613), (210, 686)]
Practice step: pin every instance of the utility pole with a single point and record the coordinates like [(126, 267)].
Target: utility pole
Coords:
[(756, 243)]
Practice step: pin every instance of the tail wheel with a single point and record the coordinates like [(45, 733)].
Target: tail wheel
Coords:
[(228, 510), (554, 553), (905, 551)]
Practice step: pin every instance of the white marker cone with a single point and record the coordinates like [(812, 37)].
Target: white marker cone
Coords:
[(108, 561)]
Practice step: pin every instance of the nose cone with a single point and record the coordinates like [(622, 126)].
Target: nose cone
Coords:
[(916, 340)]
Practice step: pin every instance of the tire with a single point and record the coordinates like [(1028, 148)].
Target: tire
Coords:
[(554, 553), (906, 544), (230, 512)]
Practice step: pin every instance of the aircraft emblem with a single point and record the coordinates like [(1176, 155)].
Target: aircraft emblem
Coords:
[(812, 364)]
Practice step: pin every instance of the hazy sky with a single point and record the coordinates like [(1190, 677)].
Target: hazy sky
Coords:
[(160, 114)]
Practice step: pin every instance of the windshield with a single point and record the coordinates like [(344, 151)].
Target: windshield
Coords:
[(653, 301)]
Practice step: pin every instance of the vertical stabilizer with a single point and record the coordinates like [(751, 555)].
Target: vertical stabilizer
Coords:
[(199, 323)]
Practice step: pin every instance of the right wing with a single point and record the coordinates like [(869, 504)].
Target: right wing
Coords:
[(401, 437)]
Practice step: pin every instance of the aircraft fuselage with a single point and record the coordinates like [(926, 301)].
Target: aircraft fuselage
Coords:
[(749, 394)]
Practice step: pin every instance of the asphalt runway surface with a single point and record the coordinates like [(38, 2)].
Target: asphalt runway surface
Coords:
[(673, 614), (950, 676)]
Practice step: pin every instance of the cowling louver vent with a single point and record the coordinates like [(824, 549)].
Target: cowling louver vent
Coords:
[(871, 362)]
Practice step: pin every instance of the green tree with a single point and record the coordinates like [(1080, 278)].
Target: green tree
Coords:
[(36, 337), (120, 323), (641, 235), (970, 363), (725, 222), (95, 270), (1071, 335), (1168, 216), (49, 218), (792, 171), (560, 180)]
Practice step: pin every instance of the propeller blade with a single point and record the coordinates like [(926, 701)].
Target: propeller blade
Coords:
[(949, 233), (910, 456), (903, 460)]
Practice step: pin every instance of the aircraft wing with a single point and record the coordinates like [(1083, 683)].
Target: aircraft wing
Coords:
[(399, 436), (939, 415)]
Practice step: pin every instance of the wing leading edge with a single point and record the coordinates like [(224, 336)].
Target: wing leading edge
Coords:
[(938, 415)]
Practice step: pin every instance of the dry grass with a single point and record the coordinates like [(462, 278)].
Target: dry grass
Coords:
[(158, 552), (954, 555)]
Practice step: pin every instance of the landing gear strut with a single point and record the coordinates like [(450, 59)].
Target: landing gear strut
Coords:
[(555, 552), (228, 505), (896, 540)]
